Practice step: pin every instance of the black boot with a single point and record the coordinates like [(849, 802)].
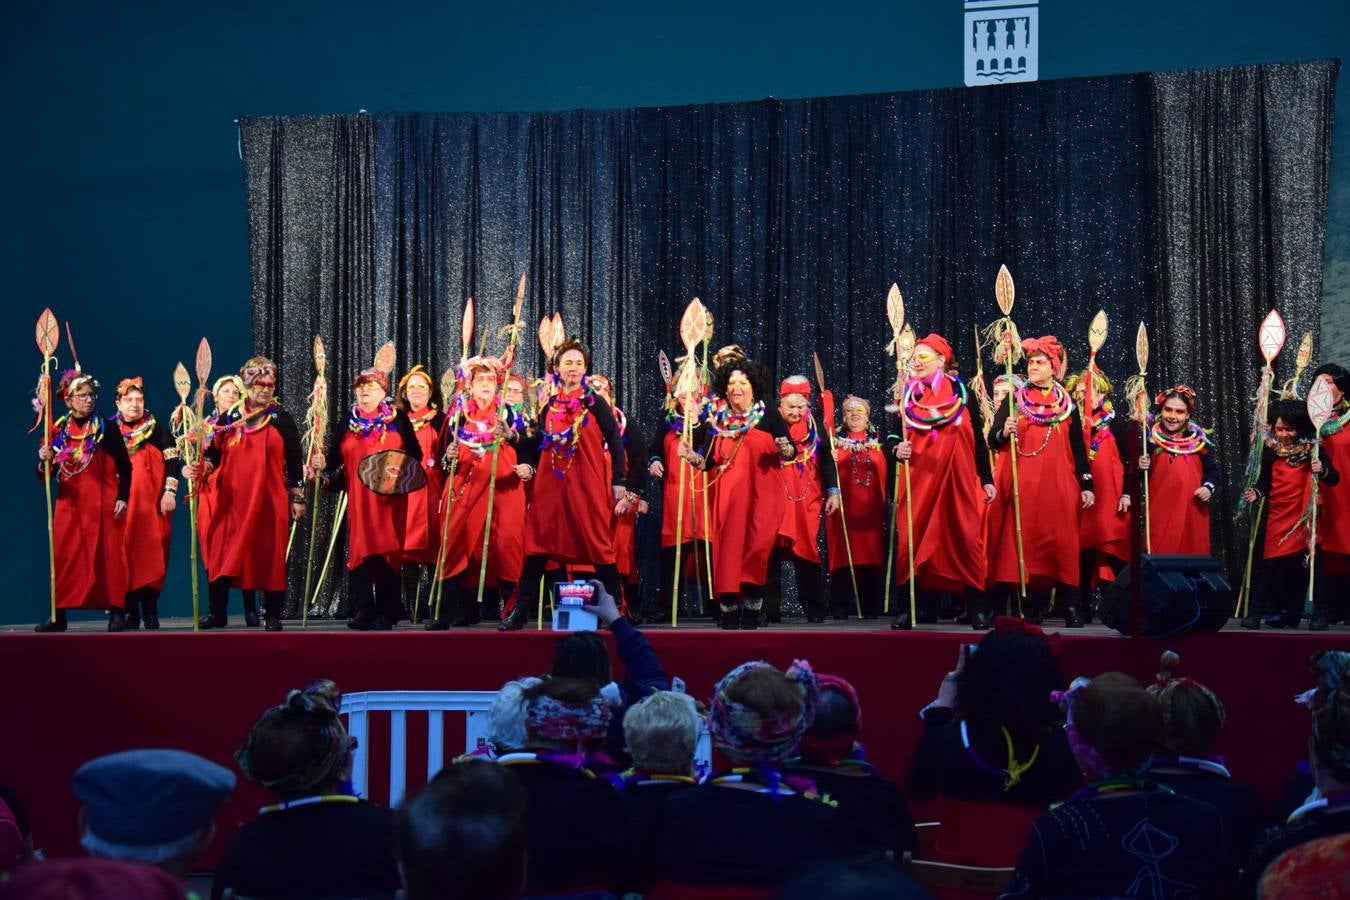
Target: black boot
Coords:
[(150, 610), (902, 623), (117, 621), (1253, 622), (514, 621), (752, 618), (1073, 618), (273, 624), (731, 617), (132, 619), (53, 625), (980, 620), (251, 609)]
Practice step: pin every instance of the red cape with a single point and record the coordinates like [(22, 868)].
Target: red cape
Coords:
[(1178, 522), (1333, 523), (1050, 502), (422, 530), (747, 507), (91, 568), (250, 522), (468, 516), (375, 522), (1101, 527), (572, 509), (1289, 494), (692, 526), (147, 531), (862, 490)]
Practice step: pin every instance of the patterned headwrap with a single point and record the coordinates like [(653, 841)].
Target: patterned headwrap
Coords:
[(72, 380), (746, 735), (1185, 392), (1087, 755), (319, 700), (556, 720), (1331, 710), (1050, 346), (937, 343), (372, 376), (256, 368), (839, 745), (127, 385), (727, 354)]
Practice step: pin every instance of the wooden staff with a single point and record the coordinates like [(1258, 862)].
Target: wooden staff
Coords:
[(693, 328), (1005, 294), (906, 350), (1321, 406), (465, 337), (48, 335), (703, 476), (202, 367), (1270, 339), (184, 427), (317, 419), (827, 411), (895, 314), (1301, 360), (338, 513)]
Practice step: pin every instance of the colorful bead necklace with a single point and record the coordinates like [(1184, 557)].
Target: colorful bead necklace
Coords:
[(1102, 416), (806, 448), (859, 457), (363, 426), (1334, 426), (136, 434), (1294, 454), (564, 443), (75, 444), (1191, 439), (239, 421), (422, 419), (1046, 413), (727, 422), (929, 416)]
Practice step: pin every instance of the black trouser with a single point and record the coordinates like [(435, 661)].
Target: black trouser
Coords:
[(416, 591), (218, 596), (869, 595), (375, 589), (143, 603), (926, 602), (459, 597), (810, 586), (1283, 588), (533, 571), (695, 553)]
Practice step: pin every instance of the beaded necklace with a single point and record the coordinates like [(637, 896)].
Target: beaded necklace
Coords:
[(1295, 454), (241, 422), (1046, 413), (422, 419), (1334, 426), (363, 426), (859, 457), (1191, 439), (806, 448), (564, 443), (471, 431), (1100, 429), (75, 444), (929, 416), (136, 434), (727, 422), (675, 419)]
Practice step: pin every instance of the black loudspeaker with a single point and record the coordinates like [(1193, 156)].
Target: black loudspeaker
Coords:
[(1181, 593)]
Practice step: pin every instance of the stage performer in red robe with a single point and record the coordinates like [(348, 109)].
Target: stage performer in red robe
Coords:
[(1055, 484), (664, 464), (155, 468), (1104, 528), (579, 489), (93, 476), (375, 522), (811, 488), (942, 437), (419, 398), (472, 426), (227, 391), (1287, 471), (861, 464), (1334, 526), (259, 489), (743, 453), (635, 493), (1183, 470)]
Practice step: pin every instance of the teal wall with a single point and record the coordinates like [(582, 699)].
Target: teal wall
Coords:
[(123, 199)]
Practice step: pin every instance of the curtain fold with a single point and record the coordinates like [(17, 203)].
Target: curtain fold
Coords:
[(1192, 201)]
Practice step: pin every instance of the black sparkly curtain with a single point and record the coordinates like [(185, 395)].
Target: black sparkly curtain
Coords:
[(1191, 201)]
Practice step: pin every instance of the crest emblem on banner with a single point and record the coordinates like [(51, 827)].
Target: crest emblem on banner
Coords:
[(1002, 41)]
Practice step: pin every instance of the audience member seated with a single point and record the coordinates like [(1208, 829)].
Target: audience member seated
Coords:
[(91, 878), (16, 840), (506, 719), (585, 654), (151, 806), (752, 825), (1186, 762), (1328, 813), (1122, 836), (463, 835), (577, 827), (335, 844), (831, 756), (993, 752), (869, 878), (661, 732)]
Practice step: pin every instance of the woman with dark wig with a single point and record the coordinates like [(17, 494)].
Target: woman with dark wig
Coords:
[(580, 488), (1122, 835), (1187, 761), (745, 443), (992, 751), (1287, 473), (318, 840)]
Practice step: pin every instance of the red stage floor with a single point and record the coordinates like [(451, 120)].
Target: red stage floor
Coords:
[(75, 696)]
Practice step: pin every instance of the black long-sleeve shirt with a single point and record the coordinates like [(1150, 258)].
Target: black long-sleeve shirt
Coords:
[(162, 441), (635, 447)]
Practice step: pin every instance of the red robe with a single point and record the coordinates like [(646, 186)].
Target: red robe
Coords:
[(1102, 527), (91, 568), (747, 508), (572, 508), (862, 488), (248, 528), (1333, 524), (803, 496), (468, 512), (1287, 501), (422, 531), (1050, 500), (1178, 521), (625, 526), (948, 503), (147, 530), (696, 511), (205, 488), (375, 522)]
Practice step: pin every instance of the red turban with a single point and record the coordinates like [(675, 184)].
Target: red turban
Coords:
[(1052, 348), (938, 343), (795, 384)]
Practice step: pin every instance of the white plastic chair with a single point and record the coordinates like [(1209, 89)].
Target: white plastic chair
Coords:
[(358, 706)]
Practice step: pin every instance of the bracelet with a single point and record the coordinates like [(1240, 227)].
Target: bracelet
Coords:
[(630, 497), (170, 485)]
